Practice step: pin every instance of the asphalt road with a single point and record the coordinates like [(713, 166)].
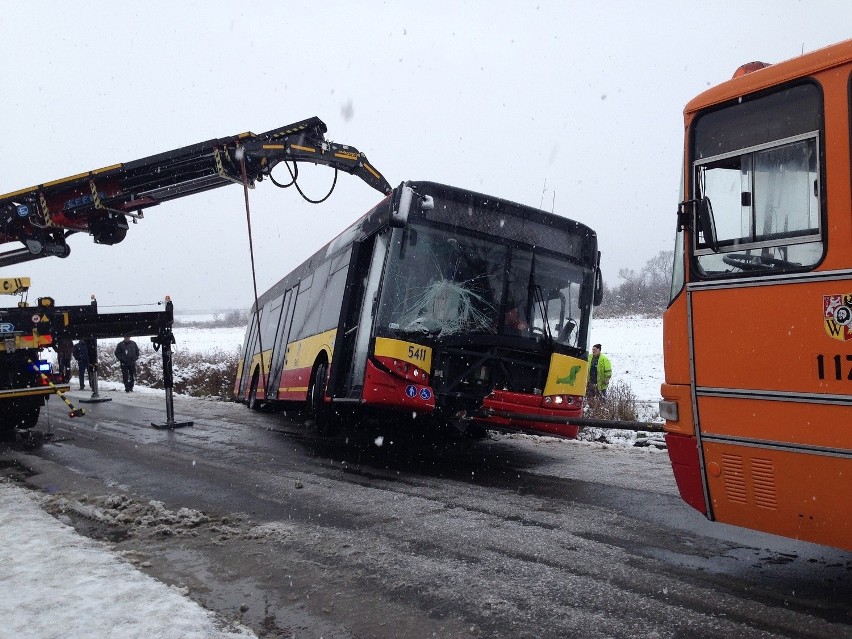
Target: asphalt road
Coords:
[(380, 533)]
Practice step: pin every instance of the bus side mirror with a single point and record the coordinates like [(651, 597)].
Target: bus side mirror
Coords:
[(598, 296), (401, 206), (403, 199), (706, 223)]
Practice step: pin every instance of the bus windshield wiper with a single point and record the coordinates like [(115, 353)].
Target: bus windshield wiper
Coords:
[(538, 295)]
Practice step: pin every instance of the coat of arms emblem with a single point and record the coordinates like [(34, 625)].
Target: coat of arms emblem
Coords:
[(837, 316)]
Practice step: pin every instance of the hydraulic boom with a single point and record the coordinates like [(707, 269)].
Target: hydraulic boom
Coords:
[(100, 202)]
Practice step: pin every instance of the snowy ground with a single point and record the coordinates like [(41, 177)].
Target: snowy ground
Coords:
[(57, 583), (634, 345)]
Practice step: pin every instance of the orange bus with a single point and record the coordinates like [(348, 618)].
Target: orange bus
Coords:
[(758, 334)]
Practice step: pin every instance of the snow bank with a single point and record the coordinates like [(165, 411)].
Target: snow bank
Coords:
[(57, 583)]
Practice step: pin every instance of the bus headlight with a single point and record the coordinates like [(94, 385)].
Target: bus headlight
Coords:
[(560, 400)]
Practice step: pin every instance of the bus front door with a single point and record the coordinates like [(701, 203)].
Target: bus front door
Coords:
[(772, 380), (353, 337)]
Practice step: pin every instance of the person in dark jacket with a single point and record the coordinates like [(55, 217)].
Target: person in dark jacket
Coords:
[(80, 352), (64, 350), (127, 352)]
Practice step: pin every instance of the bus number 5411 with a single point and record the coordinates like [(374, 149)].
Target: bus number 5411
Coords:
[(417, 353), (835, 366)]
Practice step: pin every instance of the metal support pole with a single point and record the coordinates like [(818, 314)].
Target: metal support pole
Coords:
[(92, 347), (164, 340)]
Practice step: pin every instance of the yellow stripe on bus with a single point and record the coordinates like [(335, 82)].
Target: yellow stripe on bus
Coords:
[(267, 360), (416, 354), (303, 353), (293, 389)]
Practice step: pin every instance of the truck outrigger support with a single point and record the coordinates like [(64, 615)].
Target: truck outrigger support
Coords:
[(84, 322), (27, 329), (95, 397), (164, 340)]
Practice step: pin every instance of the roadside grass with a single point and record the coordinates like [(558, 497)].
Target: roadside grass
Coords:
[(620, 403)]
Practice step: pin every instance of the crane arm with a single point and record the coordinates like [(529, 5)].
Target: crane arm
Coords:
[(101, 201)]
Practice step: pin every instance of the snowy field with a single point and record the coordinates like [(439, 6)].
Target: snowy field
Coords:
[(634, 345), (196, 340)]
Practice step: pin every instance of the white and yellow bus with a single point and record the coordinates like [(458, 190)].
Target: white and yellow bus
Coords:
[(441, 302)]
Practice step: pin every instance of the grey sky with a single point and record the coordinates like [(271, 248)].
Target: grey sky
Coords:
[(571, 106)]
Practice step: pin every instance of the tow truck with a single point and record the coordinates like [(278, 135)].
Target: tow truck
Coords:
[(36, 222), (27, 380)]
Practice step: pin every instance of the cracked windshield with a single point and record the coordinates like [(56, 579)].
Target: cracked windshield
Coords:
[(443, 284)]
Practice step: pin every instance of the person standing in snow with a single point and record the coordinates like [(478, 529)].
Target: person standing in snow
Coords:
[(80, 352), (600, 372), (64, 348), (127, 352)]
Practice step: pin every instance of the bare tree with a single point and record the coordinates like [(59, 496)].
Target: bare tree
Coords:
[(642, 293)]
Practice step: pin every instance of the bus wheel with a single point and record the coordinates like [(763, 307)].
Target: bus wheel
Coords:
[(320, 413), (253, 402)]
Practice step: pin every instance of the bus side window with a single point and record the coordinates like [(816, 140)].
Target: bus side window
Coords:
[(301, 311), (311, 324), (333, 294), (269, 326)]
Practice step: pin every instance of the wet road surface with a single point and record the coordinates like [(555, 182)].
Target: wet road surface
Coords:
[(376, 533)]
